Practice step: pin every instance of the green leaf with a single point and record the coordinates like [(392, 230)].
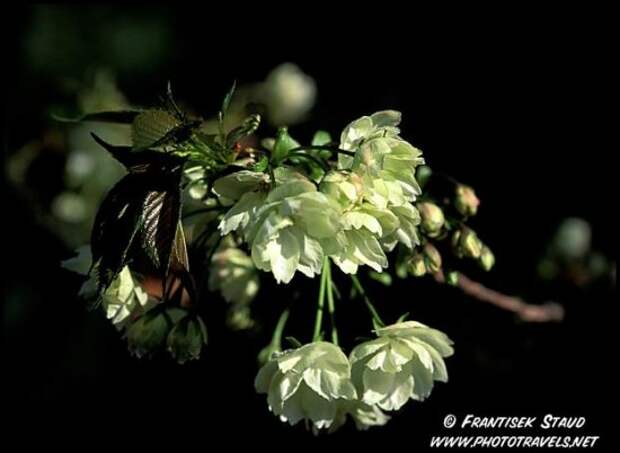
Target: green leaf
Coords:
[(294, 342), (80, 263), (402, 317), (321, 138), (138, 161), (261, 165), (228, 98), (248, 127), (120, 117), (284, 143), (152, 126)]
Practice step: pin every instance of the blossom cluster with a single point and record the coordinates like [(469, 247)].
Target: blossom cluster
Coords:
[(357, 212), (319, 384)]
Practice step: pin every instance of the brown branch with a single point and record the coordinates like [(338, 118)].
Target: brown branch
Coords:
[(549, 311)]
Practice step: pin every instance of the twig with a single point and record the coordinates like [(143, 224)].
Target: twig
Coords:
[(547, 312)]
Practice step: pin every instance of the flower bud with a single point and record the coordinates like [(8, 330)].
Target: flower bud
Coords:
[(186, 338), (452, 278), (416, 266), (423, 174), (455, 241), (432, 218), (487, 259), (148, 333), (432, 258), (469, 244), (466, 201)]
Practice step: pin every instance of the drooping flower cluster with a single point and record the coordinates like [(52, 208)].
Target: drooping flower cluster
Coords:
[(359, 210), (317, 383)]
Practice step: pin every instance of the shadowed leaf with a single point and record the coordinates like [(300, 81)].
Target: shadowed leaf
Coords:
[(120, 117)]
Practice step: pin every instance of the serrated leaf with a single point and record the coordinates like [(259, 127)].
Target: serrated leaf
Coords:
[(152, 126), (248, 127), (179, 258), (119, 117), (161, 211), (138, 161), (122, 215), (115, 226), (228, 99)]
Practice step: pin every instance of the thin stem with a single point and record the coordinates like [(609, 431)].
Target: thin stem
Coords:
[(324, 166), (323, 148), (331, 307), (276, 341), (202, 211), (371, 308), (319, 305)]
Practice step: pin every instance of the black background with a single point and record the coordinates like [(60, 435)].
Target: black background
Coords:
[(511, 102)]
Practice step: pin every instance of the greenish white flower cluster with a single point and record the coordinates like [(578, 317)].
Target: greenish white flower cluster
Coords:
[(317, 383), (358, 211)]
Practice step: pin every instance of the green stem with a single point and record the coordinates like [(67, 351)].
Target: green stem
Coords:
[(202, 211), (276, 340), (319, 305), (324, 166), (323, 148), (331, 307), (371, 308)]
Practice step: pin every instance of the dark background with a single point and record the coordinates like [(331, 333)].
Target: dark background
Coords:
[(511, 102)]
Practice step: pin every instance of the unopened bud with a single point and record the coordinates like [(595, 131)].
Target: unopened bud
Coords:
[(487, 259), (452, 278), (466, 201), (148, 333), (422, 174), (469, 243), (416, 265), (186, 339), (432, 258), (432, 218)]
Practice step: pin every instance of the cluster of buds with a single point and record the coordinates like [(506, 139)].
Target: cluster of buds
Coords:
[(466, 243), (428, 260), (445, 220)]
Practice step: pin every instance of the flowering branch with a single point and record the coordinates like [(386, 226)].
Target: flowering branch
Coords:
[(547, 312), (280, 208)]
